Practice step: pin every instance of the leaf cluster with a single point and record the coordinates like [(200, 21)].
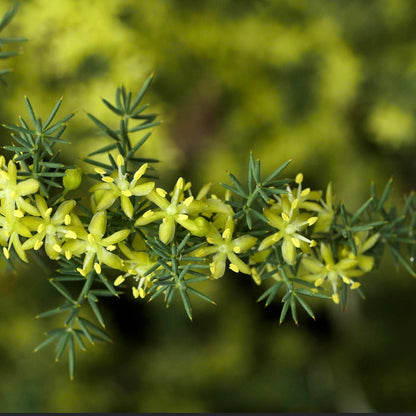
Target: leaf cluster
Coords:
[(5, 20)]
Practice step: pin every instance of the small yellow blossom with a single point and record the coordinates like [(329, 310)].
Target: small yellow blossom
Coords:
[(225, 247), (363, 243), (179, 210), (117, 186), (12, 191), (330, 271), (11, 228), (289, 223), (52, 229), (136, 265), (94, 246)]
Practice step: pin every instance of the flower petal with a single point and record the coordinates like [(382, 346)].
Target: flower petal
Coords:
[(167, 230), (115, 238), (142, 189), (98, 224)]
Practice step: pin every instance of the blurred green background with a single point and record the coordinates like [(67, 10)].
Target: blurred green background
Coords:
[(331, 84)]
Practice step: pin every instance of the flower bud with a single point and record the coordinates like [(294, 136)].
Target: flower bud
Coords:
[(72, 179), (202, 227)]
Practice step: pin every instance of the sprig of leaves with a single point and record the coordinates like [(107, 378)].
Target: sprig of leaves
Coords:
[(6, 19), (127, 109), (176, 272), (249, 201), (35, 148), (76, 328), (285, 277)]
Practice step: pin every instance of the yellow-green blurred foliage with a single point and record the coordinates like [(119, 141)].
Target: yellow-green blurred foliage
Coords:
[(331, 84)]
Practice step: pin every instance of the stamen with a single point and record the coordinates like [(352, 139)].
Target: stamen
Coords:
[(57, 248), (299, 178), (335, 298), (71, 234), (295, 203), (305, 192), (295, 241), (188, 201), (120, 160), (100, 171), (148, 214), (139, 173), (38, 245), (97, 268), (81, 271), (120, 279), (276, 237), (161, 192), (226, 234), (179, 184), (346, 280)]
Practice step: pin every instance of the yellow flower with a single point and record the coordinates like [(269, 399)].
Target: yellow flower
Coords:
[(289, 223), (136, 265), (329, 271), (95, 246), (225, 247), (12, 191), (176, 211), (362, 244), (11, 227), (117, 186), (303, 198), (53, 229)]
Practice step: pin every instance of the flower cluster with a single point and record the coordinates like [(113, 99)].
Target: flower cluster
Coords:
[(287, 237), (296, 221), (135, 234)]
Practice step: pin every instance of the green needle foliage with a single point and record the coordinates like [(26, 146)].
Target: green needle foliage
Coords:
[(135, 237), (7, 17)]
